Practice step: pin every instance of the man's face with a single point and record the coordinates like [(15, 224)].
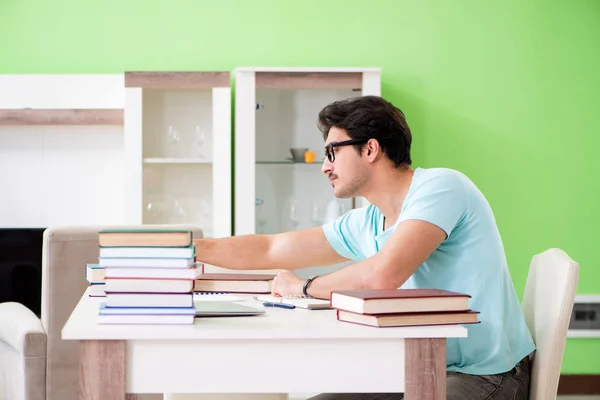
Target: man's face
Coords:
[(348, 172)]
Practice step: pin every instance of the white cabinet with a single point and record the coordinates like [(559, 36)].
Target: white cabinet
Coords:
[(276, 109), (178, 149), (61, 149)]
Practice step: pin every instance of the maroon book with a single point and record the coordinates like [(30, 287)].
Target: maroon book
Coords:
[(398, 301)]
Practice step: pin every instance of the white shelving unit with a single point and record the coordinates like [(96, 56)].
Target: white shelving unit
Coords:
[(276, 109), (178, 149), (61, 150)]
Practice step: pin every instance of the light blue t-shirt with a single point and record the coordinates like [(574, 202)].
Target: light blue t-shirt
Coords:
[(471, 260)]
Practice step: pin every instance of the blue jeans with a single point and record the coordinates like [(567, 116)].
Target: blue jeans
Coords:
[(511, 385)]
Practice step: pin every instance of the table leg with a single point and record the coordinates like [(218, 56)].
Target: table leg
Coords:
[(425, 369), (102, 370)]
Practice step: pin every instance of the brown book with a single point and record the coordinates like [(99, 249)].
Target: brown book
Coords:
[(234, 283), (398, 301), (144, 238), (409, 319)]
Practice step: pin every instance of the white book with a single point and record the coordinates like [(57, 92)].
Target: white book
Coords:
[(148, 262), (147, 252), (105, 310), (146, 319), (159, 273), (97, 290), (125, 285), (149, 299), (94, 273)]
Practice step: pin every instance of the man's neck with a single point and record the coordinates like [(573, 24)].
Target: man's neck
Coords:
[(388, 191)]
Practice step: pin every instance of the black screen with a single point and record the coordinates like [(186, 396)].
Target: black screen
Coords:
[(21, 266)]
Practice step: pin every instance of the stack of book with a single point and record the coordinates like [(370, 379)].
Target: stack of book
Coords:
[(149, 276), (403, 307), (94, 273)]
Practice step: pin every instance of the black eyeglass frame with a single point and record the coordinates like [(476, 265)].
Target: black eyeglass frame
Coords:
[(330, 154)]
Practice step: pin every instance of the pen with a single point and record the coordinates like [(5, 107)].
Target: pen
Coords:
[(281, 305)]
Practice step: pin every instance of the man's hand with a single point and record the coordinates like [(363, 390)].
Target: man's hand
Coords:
[(286, 284)]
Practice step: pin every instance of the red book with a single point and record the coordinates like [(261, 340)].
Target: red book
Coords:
[(398, 301)]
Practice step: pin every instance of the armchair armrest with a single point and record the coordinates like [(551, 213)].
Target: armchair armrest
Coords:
[(22, 330), (23, 347)]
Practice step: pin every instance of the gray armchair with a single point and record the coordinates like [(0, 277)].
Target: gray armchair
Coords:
[(35, 363)]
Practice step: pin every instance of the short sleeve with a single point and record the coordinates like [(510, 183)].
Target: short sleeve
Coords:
[(345, 233), (440, 199)]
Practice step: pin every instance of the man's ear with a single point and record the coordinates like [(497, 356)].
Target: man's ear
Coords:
[(372, 147)]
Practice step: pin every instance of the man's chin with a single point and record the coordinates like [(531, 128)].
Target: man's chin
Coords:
[(341, 194)]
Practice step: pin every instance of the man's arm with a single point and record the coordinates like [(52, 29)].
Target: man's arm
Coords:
[(408, 247), (289, 250)]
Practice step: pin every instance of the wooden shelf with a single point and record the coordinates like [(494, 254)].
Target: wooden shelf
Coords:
[(177, 80), (61, 117), (309, 80), (175, 160)]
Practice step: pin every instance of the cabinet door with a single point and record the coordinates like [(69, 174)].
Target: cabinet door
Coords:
[(178, 144), (279, 149)]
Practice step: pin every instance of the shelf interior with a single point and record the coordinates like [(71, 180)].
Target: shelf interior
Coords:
[(177, 124), (292, 198), (177, 193), (177, 150)]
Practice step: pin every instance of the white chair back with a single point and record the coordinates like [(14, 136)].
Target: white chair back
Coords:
[(547, 303)]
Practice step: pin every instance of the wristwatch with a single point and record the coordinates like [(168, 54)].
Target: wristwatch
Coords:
[(305, 287)]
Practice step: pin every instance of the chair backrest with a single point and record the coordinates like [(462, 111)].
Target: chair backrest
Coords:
[(547, 305), (66, 251)]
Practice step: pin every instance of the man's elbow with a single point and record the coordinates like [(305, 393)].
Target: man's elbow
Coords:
[(385, 277)]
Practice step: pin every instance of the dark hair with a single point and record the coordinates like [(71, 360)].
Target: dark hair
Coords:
[(367, 117)]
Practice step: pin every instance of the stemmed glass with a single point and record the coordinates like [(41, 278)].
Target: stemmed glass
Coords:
[(155, 210), (315, 213), (206, 211), (173, 140), (293, 213), (199, 142), (261, 215), (179, 210)]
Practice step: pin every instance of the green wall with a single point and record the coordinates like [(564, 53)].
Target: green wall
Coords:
[(505, 91)]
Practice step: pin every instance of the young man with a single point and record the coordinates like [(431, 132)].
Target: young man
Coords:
[(424, 228)]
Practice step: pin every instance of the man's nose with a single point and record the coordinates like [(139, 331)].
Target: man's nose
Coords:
[(326, 167)]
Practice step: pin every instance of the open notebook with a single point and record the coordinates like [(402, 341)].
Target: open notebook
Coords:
[(298, 301)]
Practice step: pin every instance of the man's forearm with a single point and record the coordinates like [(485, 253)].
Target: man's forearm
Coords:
[(360, 276), (237, 252)]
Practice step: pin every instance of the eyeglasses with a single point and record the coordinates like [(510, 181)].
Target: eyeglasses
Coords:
[(330, 154)]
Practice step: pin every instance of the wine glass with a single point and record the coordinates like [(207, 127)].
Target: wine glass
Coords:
[(206, 210), (199, 142), (179, 211), (294, 213), (173, 138), (315, 213), (261, 215), (155, 210)]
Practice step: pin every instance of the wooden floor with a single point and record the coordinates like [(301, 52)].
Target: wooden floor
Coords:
[(579, 397), (305, 396)]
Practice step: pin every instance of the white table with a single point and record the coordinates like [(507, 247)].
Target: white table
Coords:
[(284, 351)]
